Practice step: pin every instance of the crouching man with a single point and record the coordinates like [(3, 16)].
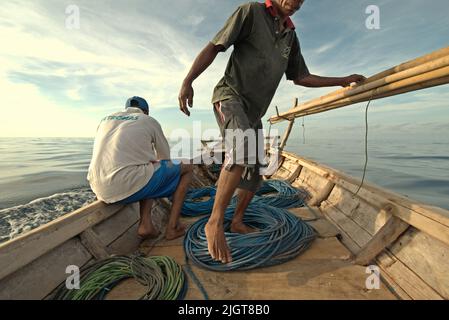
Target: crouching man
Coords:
[(131, 163)]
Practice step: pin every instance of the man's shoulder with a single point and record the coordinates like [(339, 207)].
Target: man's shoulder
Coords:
[(251, 6), (152, 121), (123, 116), (117, 113), (112, 115)]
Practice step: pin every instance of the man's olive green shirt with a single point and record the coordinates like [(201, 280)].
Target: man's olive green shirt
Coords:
[(262, 55)]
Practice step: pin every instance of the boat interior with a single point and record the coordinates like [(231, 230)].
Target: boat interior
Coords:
[(406, 241)]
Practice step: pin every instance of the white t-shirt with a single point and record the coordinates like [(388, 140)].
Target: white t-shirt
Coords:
[(124, 156)]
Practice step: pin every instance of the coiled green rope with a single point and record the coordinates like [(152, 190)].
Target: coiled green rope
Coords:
[(163, 277)]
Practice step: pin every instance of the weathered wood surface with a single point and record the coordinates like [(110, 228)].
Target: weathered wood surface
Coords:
[(110, 229), (433, 221), (354, 237), (307, 214), (289, 171), (39, 278), (407, 279), (427, 257), (357, 234), (92, 242), (358, 210), (322, 194), (315, 185), (30, 246), (323, 227), (388, 234), (360, 218), (322, 272)]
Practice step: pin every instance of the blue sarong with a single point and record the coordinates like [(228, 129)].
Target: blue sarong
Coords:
[(162, 184)]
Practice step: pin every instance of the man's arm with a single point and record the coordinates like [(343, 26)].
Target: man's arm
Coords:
[(201, 63), (314, 81)]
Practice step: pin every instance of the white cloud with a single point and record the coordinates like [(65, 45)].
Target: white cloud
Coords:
[(194, 20), (26, 113), (118, 58), (327, 46), (74, 94), (139, 48)]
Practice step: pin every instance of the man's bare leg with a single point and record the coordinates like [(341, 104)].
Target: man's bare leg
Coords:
[(174, 229), (244, 199), (216, 241), (146, 227)]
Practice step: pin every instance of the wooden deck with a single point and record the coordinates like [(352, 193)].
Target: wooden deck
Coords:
[(322, 272)]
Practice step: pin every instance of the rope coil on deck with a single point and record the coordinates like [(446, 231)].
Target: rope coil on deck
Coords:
[(281, 237), (194, 208), (163, 277), (286, 197)]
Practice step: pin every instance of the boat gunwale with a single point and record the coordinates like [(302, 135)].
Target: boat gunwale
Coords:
[(369, 192)]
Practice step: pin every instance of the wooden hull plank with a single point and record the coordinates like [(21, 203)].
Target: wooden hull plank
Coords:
[(389, 233), (39, 278), (25, 249), (427, 257)]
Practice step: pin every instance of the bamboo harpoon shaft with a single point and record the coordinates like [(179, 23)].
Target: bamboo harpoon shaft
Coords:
[(424, 72), (426, 80)]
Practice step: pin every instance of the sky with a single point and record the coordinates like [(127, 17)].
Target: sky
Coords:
[(60, 82)]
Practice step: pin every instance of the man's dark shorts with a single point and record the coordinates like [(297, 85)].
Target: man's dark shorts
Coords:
[(230, 115)]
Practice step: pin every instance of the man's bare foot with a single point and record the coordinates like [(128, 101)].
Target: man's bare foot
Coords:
[(147, 231), (242, 228), (175, 233), (216, 243)]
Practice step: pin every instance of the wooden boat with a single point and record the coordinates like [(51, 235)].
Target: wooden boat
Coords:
[(406, 240)]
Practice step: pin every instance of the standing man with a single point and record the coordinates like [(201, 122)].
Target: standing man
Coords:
[(265, 48), (131, 163)]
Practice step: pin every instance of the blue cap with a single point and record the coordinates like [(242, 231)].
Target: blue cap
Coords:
[(137, 102)]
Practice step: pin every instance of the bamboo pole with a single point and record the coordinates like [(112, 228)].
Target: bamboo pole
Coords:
[(368, 88), (289, 129), (287, 134), (402, 67), (405, 89), (412, 63), (409, 76), (365, 96)]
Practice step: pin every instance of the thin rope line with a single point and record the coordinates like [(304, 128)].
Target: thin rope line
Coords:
[(366, 145), (303, 130)]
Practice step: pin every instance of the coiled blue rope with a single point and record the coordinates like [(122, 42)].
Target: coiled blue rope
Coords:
[(281, 237), (215, 168), (286, 197), (194, 208)]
